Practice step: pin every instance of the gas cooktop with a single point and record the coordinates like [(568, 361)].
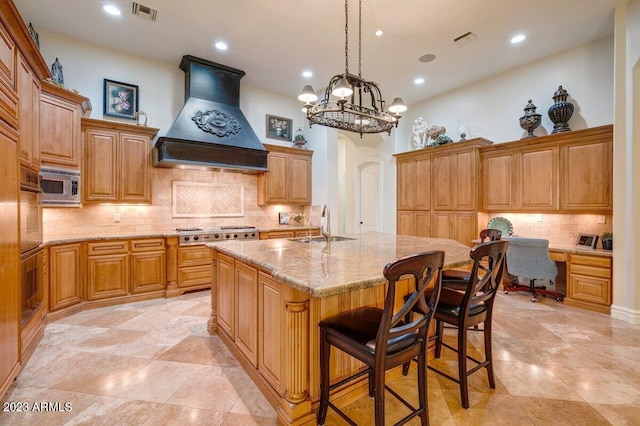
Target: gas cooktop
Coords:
[(193, 236)]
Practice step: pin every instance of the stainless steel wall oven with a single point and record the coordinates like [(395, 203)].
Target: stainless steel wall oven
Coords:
[(31, 258)]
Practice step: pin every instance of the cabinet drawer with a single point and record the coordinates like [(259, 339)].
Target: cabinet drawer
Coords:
[(276, 234), (595, 261), (107, 247), (557, 256), (307, 233), (194, 256), (195, 276), (150, 244), (590, 271)]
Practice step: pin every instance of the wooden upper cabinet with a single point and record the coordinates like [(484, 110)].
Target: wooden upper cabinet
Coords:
[(288, 180), (28, 88), (587, 174), (117, 162), (538, 179), (563, 173), (7, 58), (414, 183), (455, 176), (60, 132), (499, 185), (100, 166)]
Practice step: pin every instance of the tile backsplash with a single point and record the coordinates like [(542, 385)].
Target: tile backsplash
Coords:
[(559, 229), (113, 219)]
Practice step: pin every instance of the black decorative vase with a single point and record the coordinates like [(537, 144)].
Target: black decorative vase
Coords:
[(607, 244), (561, 111), (530, 120)]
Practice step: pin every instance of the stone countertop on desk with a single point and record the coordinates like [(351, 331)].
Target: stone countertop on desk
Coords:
[(572, 249), (322, 269)]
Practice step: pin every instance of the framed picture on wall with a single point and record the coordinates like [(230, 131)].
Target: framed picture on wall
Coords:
[(279, 128), (120, 99)]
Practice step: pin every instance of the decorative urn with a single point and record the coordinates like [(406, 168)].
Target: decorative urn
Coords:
[(561, 111), (530, 120)]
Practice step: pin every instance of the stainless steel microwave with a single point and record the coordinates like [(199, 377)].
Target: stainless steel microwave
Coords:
[(60, 187)]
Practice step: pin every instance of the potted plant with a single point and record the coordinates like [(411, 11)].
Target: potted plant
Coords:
[(607, 240), (299, 139)]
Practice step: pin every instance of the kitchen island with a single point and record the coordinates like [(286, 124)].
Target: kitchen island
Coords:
[(269, 295)]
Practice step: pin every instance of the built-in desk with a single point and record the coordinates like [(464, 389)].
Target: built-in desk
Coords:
[(588, 276)]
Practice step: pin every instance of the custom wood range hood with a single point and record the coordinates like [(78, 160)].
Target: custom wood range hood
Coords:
[(211, 130)]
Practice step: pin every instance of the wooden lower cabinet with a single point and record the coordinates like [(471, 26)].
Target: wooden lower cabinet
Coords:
[(458, 226), (246, 283), (148, 265), (271, 338), (289, 233), (225, 277), (195, 268), (66, 278), (107, 269), (415, 222), (589, 282)]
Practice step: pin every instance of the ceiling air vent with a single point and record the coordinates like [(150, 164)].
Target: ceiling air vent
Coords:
[(144, 11), (465, 38)]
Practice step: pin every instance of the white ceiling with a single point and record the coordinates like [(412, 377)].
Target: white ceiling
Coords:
[(273, 41)]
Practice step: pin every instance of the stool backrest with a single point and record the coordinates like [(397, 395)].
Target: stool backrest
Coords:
[(426, 270), (486, 274), (491, 234)]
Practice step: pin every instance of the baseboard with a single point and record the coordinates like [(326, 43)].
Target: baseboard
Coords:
[(632, 316)]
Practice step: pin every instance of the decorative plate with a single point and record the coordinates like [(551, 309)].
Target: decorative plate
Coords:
[(502, 224)]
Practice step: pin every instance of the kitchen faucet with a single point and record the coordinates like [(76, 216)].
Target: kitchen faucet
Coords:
[(327, 233)]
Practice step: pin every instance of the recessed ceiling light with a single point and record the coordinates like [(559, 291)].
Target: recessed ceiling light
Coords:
[(307, 74), (221, 45), (111, 10), (379, 33), (518, 39), (427, 58), (418, 80)]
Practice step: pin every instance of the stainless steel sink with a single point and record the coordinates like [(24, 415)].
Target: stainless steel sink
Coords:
[(321, 239)]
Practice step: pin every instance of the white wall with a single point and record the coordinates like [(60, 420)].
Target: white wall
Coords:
[(494, 105)]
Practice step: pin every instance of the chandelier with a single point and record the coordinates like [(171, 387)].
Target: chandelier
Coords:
[(350, 102)]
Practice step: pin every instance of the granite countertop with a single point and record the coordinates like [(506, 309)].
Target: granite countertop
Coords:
[(569, 248), (323, 270)]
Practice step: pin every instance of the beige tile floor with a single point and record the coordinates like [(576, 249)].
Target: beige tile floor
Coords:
[(153, 363)]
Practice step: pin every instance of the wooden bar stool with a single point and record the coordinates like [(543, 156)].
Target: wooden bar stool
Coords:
[(382, 339), (470, 307)]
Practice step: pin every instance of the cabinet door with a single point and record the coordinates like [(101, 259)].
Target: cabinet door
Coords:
[(404, 224), (9, 266), (225, 280), (587, 176), (454, 225), (8, 97), (135, 169), (443, 173), (107, 276), (299, 180), (276, 178), (148, 271), (499, 181), (271, 331), (464, 180), (29, 117), (247, 311), (421, 223), (421, 183), (100, 175), (538, 179), (65, 276), (59, 132), (406, 184)]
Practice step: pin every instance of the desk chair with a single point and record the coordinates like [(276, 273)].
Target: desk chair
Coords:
[(469, 308), (383, 339), (529, 258)]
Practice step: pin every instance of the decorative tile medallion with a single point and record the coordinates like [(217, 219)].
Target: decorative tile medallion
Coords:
[(193, 199)]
